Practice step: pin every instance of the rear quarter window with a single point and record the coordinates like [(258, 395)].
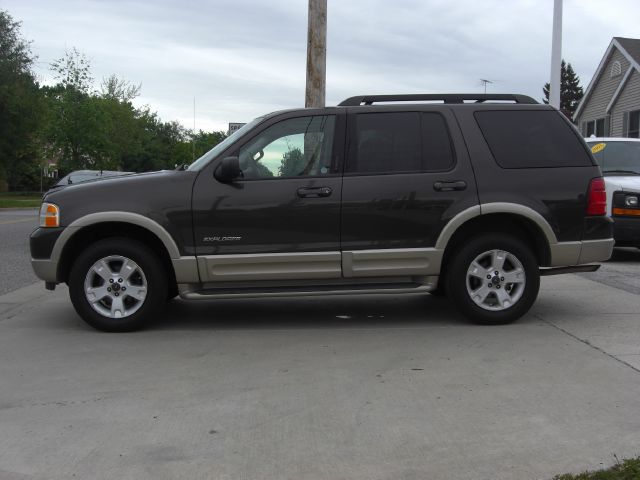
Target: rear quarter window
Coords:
[(532, 139)]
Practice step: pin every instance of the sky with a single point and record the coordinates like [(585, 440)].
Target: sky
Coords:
[(240, 59)]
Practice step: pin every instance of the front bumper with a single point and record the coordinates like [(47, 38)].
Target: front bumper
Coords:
[(45, 269), (43, 262)]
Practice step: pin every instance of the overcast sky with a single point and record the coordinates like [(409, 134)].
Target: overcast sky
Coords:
[(244, 58)]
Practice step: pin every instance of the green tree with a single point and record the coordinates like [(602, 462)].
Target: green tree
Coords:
[(20, 103), (202, 142), (119, 89), (76, 122), (570, 90), (292, 164)]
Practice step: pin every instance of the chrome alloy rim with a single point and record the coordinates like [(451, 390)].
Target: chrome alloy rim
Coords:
[(496, 280), (115, 286)]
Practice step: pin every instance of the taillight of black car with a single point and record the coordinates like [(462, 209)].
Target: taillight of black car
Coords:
[(597, 197)]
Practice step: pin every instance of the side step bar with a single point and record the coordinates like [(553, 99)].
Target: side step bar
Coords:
[(221, 293), (575, 269)]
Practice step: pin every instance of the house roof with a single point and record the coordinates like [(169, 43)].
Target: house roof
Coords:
[(631, 45), (630, 48)]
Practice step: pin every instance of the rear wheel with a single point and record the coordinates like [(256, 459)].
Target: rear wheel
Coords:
[(493, 279), (117, 285)]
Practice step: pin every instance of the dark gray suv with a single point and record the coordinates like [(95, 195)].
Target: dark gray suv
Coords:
[(469, 196)]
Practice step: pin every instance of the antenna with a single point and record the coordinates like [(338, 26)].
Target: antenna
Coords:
[(193, 136), (484, 82)]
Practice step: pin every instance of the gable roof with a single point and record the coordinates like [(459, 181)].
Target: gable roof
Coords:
[(629, 47)]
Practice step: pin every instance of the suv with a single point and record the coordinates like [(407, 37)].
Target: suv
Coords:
[(472, 196), (619, 159)]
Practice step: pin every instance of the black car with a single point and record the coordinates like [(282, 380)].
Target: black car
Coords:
[(79, 176), (471, 196)]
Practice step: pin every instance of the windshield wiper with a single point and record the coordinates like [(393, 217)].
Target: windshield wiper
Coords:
[(627, 172)]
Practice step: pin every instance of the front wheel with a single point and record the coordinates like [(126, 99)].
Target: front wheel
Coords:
[(494, 279), (117, 285)]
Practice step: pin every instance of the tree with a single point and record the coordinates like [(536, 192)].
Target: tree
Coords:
[(115, 88), (292, 163), (20, 101), (570, 90)]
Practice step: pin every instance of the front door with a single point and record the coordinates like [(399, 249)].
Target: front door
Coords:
[(281, 220)]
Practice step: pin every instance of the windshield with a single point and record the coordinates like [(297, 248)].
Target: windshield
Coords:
[(220, 147), (617, 157)]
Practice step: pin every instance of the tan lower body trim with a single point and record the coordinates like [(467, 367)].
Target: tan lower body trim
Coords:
[(270, 266), (384, 262)]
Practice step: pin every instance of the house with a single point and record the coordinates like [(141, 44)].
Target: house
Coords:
[(611, 104)]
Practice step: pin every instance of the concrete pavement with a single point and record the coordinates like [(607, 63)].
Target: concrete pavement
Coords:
[(342, 387)]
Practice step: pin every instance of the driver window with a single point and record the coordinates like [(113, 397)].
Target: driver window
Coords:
[(291, 148)]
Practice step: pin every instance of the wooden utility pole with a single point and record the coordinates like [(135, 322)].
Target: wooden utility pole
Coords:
[(316, 54)]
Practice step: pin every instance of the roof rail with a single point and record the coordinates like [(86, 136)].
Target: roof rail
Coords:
[(446, 98)]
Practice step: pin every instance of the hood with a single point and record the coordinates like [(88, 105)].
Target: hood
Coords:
[(623, 183), (144, 193)]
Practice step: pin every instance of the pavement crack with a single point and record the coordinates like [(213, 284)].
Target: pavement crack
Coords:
[(588, 343)]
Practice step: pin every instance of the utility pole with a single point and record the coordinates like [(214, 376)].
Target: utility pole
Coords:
[(556, 55), (316, 54)]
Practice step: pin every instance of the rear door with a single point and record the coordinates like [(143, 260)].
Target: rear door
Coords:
[(407, 174)]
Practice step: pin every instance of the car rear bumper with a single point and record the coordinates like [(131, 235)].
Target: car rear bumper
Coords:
[(578, 253)]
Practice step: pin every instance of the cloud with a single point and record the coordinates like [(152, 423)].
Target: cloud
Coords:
[(243, 58)]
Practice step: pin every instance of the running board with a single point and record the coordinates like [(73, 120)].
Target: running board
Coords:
[(575, 269), (222, 293)]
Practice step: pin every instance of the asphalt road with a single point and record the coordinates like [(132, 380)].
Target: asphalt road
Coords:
[(15, 269)]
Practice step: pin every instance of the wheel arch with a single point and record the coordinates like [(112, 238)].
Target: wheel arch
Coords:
[(512, 219), (102, 225)]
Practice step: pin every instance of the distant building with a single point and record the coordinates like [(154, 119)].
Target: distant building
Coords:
[(235, 126), (611, 104)]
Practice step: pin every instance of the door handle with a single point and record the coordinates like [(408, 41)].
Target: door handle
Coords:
[(314, 192), (449, 186)]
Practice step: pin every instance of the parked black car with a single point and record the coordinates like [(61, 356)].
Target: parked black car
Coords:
[(475, 197), (79, 176)]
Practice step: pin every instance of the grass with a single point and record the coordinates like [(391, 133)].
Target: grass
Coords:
[(20, 200), (628, 469)]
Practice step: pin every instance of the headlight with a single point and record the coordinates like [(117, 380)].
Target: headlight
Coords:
[(631, 201), (49, 215)]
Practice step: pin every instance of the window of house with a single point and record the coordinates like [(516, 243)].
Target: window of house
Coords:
[(634, 124), (595, 127), (395, 142), (616, 69)]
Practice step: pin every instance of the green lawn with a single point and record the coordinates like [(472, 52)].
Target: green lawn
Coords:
[(19, 201), (628, 469)]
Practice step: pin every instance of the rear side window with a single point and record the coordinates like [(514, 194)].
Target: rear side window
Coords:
[(531, 139), (397, 142)]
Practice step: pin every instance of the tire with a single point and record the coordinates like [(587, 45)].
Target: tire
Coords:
[(109, 299), (494, 300)]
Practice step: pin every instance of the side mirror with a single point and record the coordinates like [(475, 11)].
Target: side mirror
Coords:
[(228, 170)]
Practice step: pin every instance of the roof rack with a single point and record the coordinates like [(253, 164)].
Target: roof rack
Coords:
[(446, 98)]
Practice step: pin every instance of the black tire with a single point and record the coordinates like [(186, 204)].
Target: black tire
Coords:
[(461, 261), (149, 272)]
